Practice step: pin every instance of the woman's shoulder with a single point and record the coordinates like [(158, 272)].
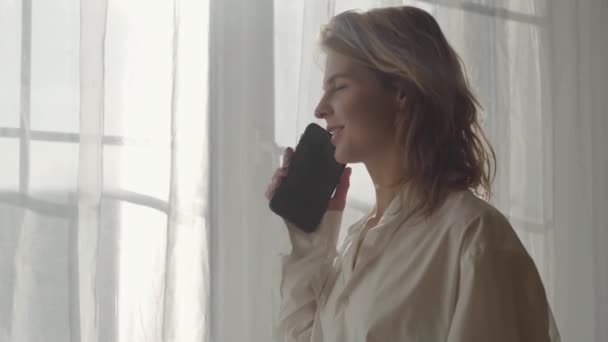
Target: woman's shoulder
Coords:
[(464, 206), (478, 225)]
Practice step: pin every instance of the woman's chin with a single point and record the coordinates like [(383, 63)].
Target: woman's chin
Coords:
[(341, 157), (346, 156)]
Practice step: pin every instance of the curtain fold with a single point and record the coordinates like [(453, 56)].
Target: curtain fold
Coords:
[(244, 234), (578, 84), (93, 15)]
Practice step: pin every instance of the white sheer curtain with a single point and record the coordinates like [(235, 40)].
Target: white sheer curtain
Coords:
[(104, 171), (131, 180), (539, 70)]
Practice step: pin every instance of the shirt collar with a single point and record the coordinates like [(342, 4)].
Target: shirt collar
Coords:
[(398, 205), (395, 209)]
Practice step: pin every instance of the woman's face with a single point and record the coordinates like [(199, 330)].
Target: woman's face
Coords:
[(358, 110)]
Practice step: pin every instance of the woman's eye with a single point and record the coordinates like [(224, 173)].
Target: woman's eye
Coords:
[(339, 87)]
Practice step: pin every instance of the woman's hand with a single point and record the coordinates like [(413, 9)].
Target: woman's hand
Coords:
[(279, 174), (337, 202)]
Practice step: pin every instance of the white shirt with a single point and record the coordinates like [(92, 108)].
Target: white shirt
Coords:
[(462, 275)]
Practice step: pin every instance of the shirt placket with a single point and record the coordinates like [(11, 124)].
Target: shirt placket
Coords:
[(372, 246)]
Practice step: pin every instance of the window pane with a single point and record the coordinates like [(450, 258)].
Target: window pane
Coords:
[(10, 63), (9, 172), (506, 8), (141, 169), (363, 5), (139, 48), (55, 65), (527, 135), (287, 49), (53, 167), (142, 246), (39, 273)]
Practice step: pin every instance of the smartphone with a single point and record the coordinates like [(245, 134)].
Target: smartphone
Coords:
[(312, 176)]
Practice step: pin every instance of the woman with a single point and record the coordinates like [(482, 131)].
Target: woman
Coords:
[(432, 261)]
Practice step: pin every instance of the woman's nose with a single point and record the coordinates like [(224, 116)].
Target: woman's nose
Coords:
[(322, 110), (320, 114)]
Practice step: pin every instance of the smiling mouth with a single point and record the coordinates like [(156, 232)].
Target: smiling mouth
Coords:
[(335, 134), (335, 129)]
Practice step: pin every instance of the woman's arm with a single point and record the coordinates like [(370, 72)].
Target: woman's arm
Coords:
[(302, 275)]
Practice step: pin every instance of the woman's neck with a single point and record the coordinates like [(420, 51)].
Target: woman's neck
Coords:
[(386, 172)]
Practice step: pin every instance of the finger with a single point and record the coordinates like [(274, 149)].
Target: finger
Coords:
[(343, 186), (270, 186), (271, 189), (275, 175), (279, 174), (287, 156), (275, 182)]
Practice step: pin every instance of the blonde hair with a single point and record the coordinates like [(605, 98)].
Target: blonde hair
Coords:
[(438, 130)]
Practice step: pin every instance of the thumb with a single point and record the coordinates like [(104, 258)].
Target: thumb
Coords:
[(338, 201)]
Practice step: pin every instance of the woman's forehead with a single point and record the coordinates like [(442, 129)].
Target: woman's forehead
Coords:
[(339, 65), (337, 62)]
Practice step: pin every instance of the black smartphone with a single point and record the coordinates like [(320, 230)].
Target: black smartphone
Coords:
[(312, 176)]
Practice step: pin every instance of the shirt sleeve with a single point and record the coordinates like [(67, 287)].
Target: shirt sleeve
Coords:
[(500, 294), (301, 277)]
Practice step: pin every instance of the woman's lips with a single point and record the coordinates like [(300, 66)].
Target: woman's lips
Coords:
[(334, 129), (335, 134)]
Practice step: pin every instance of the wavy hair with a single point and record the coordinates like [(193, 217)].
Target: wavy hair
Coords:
[(437, 128)]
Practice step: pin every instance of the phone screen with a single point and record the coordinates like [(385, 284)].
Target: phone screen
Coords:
[(313, 174)]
